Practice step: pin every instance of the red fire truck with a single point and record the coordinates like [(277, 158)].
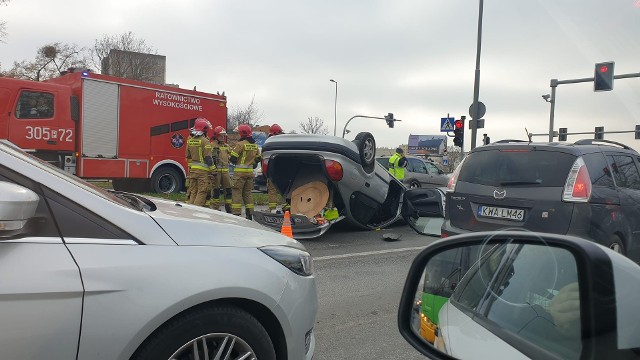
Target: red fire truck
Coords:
[(103, 127)]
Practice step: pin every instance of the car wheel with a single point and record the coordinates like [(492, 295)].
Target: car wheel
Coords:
[(166, 180), (414, 184), (367, 150), (209, 333), (616, 244)]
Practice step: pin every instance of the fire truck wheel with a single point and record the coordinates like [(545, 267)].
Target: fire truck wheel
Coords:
[(166, 180)]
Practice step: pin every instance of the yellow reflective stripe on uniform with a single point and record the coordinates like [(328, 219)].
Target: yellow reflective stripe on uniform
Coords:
[(233, 153), (223, 170), (243, 170), (198, 164), (250, 147), (236, 206), (248, 206), (200, 168)]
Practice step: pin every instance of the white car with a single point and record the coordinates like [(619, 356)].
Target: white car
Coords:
[(90, 274)]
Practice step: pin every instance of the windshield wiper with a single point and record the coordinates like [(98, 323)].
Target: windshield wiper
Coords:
[(521, 182), (137, 202)]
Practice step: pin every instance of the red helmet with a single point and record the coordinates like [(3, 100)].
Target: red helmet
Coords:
[(275, 129), (202, 125), (219, 130), (244, 130)]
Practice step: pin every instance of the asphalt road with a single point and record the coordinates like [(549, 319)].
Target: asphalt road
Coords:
[(360, 279)]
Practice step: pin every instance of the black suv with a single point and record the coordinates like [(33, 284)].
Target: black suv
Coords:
[(589, 189)]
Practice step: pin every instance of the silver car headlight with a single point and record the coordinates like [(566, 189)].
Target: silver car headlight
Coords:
[(298, 261)]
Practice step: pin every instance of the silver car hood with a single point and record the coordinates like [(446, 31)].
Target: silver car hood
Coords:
[(198, 226)]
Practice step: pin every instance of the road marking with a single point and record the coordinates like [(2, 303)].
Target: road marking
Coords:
[(366, 253)]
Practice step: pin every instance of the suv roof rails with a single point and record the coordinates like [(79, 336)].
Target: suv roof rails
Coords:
[(595, 142), (509, 141)]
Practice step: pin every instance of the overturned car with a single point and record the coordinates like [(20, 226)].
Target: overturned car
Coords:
[(328, 179)]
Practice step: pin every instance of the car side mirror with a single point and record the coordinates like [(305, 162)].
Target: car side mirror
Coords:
[(17, 206), (423, 210), (517, 294)]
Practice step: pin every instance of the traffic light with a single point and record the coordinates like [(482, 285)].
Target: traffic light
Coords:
[(458, 133), (603, 76), (637, 132), (599, 133), (390, 120), (562, 134), (486, 140)]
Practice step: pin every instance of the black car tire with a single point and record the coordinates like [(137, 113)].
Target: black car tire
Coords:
[(181, 330), (367, 149), (616, 244), (166, 180), (414, 184)]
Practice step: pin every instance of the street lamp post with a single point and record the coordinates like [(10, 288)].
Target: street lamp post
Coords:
[(335, 109)]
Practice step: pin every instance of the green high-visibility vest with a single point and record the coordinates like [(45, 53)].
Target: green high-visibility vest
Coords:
[(394, 169)]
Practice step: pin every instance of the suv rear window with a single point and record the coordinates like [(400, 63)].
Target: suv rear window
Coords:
[(517, 167)]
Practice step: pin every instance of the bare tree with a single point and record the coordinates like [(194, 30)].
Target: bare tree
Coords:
[(249, 115), (120, 55), (51, 60), (313, 125)]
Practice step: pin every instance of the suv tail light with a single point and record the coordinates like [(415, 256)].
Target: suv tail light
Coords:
[(578, 185), (334, 170), (265, 166), (451, 186)]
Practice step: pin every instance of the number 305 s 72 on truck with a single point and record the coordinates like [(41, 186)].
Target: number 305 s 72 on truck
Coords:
[(103, 127)]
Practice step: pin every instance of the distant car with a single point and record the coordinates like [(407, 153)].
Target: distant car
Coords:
[(361, 189), (419, 172), (92, 274), (589, 189)]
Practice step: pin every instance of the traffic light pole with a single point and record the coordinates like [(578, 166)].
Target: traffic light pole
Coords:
[(554, 84), (476, 84), (344, 131)]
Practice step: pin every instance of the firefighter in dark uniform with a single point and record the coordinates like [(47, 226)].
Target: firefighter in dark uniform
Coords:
[(222, 183), (273, 194), (199, 151), (246, 157)]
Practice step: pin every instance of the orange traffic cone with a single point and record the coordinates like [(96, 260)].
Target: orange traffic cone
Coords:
[(286, 225)]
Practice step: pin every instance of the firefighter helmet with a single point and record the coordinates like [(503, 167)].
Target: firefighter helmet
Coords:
[(244, 130), (275, 129), (219, 130), (201, 126)]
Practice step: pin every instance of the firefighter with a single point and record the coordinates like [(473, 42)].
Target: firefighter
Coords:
[(272, 192), (222, 183), (187, 181), (397, 163), (199, 151), (246, 157)]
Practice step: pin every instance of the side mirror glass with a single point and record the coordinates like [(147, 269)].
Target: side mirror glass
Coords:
[(17, 206), (423, 210), (500, 298)]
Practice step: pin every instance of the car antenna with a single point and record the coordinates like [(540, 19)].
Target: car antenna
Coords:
[(528, 134)]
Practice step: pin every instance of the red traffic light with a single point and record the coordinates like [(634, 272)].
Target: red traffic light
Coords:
[(604, 68), (459, 124)]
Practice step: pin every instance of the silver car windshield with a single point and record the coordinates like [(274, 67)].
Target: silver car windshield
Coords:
[(12, 150)]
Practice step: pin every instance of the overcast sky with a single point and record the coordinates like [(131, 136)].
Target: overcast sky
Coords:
[(414, 58)]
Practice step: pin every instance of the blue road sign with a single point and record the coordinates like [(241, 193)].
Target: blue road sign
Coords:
[(447, 124)]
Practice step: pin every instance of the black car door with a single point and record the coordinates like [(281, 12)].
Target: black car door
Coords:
[(627, 178)]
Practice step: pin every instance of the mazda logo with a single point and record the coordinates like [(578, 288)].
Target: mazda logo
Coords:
[(499, 194)]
